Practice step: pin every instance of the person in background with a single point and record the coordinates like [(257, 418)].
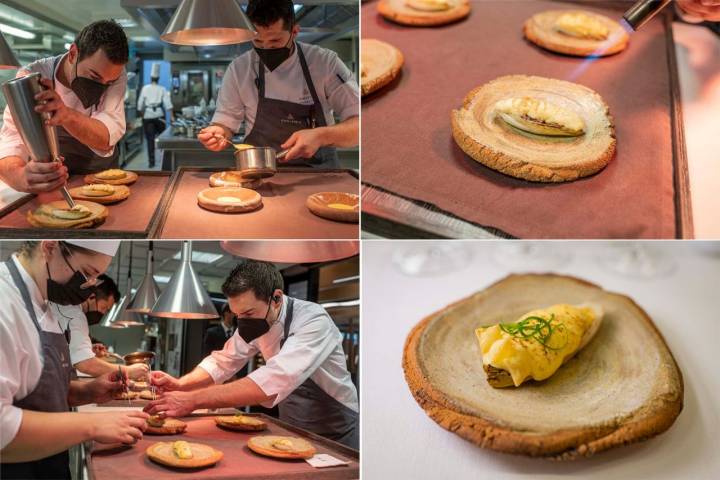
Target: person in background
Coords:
[(76, 319), (86, 97), (695, 11), (36, 385), (217, 335), (153, 103), (287, 93)]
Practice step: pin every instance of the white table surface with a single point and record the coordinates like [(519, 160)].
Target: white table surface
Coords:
[(400, 441)]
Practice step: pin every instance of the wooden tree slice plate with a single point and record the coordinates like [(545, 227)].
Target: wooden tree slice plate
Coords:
[(203, 455), (264, 446), (245, 424), (130, 178), (42, 216), (338, 206), (121, 193), (229, 199), (400, 11)]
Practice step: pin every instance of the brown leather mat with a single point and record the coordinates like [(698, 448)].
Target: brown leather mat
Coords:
[(113, 462), (408, 149), (283, 213)]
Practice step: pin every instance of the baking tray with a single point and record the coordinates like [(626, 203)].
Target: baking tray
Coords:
[(110, 463), (283, 214), (404, 209), (134, 217)]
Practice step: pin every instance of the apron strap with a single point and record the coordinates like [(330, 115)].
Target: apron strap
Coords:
[(288, 320), (20, 284), (311, 86)]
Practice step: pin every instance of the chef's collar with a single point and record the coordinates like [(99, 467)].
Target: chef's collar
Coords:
[(32, 287), (283, 310)]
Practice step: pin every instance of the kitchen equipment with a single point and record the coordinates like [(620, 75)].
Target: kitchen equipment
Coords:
[(40, 139), (139, 357), (7, 57), (642, 11), (257, 162)]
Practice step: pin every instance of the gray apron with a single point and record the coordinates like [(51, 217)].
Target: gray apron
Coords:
[(311, 408), (50, 394), (79, 159), (276, 120)]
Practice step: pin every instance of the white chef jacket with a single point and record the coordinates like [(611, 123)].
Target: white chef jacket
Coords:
[(335, 85), (313, 350), (154, 94), (110, 111), (73, 317), (21, 359)]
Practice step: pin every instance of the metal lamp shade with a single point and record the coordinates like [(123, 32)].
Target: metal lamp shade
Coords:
[(208, 22), (185, 297), (7, 57), (147, 293), (112, 317), (294, 251)]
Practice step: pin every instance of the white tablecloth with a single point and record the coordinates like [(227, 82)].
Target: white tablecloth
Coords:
[(400, 441)]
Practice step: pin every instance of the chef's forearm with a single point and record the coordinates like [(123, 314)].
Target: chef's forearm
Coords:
[(343, 134), (198, 378), (43, 434), (88, 131), (238, 393), (79, 393), (95, 367)]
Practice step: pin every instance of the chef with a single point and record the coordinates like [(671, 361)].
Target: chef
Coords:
[(35, 387), (286, 92), (85, 95), (305, 372), (76, 319), (153, 103)]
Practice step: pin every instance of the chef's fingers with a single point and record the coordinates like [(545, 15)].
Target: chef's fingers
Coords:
[(204, 135), (154, 407), (47, 82), (46, 95), (138, 414), (138, 422), (174, 413), (293, 153), (46, 187), (290, 141), (127, 439)]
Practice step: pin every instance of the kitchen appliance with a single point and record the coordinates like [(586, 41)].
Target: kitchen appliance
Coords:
[(642, 11), (40, 139)]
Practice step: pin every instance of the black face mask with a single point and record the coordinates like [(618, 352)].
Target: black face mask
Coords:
[(88, 91), (70, 292), (274, 57), (94, 316), (250, 328)]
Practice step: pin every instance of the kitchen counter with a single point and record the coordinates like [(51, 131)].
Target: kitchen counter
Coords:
[(115, 461), (283, 213)]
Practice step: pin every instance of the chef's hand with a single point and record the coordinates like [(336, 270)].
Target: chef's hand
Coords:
[(164, 382), (303, 144), (172, 404), (208, 136), (33, 177), (705, 9), (49, 101), (104, 388), (118, 427), (99, 349), (137, 371)]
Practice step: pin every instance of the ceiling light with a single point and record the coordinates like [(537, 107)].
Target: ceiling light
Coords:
[(203, 22), (16, 32)]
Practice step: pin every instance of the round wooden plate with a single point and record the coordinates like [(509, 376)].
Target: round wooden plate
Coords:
[(212, 199), (233, 179), (322, 205), (130, 178), (172, 426), (381, 64), (263, 445), (203, 455), (540, 29), (121, 193), (485, 137), (42, 216), (248, 424), (623, 387), (400, 12)]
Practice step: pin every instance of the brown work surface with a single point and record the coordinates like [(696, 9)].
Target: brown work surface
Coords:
[(408, 147), (282, 215), (130, 218), (108, 462)]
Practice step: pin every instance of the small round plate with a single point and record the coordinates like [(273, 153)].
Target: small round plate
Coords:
[(229, 199), (298, 448), (203, 455), (42, 216), (241, 423), (121, 193), (130, 178), (338, 206)]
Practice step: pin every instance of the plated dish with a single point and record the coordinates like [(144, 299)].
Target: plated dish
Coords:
[(281, 447), (380, 64), (424, 13), (622, 386), (183, 454), (58, 214)]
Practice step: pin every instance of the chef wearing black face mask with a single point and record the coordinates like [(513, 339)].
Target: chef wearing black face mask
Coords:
[(305, 372), (85, 96), (286, 93)]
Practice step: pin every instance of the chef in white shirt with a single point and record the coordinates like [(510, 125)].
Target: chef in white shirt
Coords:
[(286, 92), (36, 390), (153, 102), (85, 95), (76, 321), (305, 372)]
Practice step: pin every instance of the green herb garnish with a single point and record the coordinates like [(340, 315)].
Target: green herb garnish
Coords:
[(535, 328)]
